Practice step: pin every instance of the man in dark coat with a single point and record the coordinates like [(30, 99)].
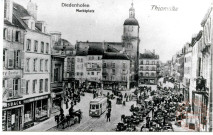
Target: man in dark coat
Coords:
[(108, 116)]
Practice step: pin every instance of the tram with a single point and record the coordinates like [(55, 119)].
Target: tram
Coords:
[(98, 106)]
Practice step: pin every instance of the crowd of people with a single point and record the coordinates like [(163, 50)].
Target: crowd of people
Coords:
[(72, 96), (155, 110)]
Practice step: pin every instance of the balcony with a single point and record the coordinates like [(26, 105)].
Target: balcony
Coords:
[(15, 94)]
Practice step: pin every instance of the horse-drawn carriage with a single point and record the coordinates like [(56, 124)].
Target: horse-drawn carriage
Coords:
[(67, 121)]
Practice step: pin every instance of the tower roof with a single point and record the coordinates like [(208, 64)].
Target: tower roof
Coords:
[(131, 21)]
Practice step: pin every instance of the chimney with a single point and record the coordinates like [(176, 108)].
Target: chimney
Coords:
[(32, 9), (8, 10)]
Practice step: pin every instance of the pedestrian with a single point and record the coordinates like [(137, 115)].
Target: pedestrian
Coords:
[(57, 120), (108, 116), (68, 120), (61, 110)]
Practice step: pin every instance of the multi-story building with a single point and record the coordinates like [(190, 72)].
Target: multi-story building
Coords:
[(36, 65), (187, 69), (165, 69), (196, 44), (79, 61), (94, 66), (116, 71), (58, 56), (207, 71), (148, 62), (13, 63)]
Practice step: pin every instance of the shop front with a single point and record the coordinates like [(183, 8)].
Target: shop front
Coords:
[(57, 100), (35, 110), (12, 116)]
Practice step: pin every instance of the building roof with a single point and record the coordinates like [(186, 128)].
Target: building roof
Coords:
[(111, 49), (118, 56), (148, 55), (131, 21), (95, 50), (20, 12), (81, 52)]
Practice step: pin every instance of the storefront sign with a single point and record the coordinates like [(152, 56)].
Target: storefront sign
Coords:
[(13, 103), (12, 73), (35, 99)]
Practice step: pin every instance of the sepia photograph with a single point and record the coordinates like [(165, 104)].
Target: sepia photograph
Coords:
[(107, 65)]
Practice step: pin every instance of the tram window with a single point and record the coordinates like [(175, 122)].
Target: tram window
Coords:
[(93, 106), (97, 106)]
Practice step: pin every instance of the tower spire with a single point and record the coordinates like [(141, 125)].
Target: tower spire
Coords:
[(132, 11)]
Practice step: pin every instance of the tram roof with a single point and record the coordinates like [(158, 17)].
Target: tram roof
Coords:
[(98, 99)]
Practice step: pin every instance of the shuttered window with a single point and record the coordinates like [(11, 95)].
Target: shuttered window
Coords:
[(42, 47), (28, 44), (41, 85), (47, 48), (35, 46), (27, 65), (46, 85), (10, 59), (41, 65), (34, 86), (46, 65)]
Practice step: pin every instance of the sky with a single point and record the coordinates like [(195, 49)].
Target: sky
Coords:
[(164, 31)]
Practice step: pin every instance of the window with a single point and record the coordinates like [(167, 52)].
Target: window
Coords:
[(82, 73), (5, 33), (46, 65), (124, 65), (153, 68), (15, 87), (147, 68), (41, 64), (34, 86), (113, 71), (142, 62), (152, 74), (92, 73), (35, 46), (88, 73), (47, 48), (28, 44), (78, 59), (4, 57), (34, 64), (141, 68), (57, 74), (17, 58), (28, 64), (153, 62), (18, 34), (41, 85), (42, 47), (113, 65), (147, 62), (27, 86), (46, 85), (147, 74)]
